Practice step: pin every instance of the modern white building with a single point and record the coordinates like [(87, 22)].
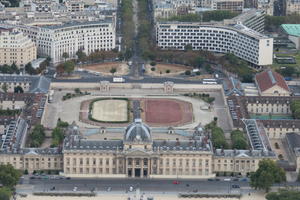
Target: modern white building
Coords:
[(245, 43), (68, 38)]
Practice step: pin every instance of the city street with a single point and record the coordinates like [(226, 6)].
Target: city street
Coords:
[(123, 185)]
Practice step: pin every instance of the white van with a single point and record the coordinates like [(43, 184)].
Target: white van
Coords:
[(118, 80)]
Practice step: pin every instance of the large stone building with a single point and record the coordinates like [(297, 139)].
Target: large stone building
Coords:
[(137, 155), (245, 43), (16, 48), (55, 40)]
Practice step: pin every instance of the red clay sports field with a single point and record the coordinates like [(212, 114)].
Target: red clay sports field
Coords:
[(167, 112)]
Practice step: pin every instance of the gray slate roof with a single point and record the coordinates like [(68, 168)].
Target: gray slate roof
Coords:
[(39, 84)]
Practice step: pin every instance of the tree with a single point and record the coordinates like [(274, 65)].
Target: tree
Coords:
[(9, 176), (188, 47), (295, 108), (29, 69), (266, 175), (113, 70), (77, 90), (57, 136), (65, 55), (5, 193), (152, 63), (37, 136), (81, 55), (199, 61), (239, 140), (168, 71), (283, 195), (14, 68), (298, 178), (287, 71), (18, 89), (4, 87), (69, 66), (187, 72)]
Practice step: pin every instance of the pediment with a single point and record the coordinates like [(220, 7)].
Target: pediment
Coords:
[(137, 152)]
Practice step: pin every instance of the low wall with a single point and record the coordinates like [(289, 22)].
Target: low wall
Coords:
[(177, 87)]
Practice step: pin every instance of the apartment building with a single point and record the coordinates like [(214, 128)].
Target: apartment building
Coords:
[(74, 5), (70, 37), (245, 43), (292, 7), (230, 5), (16, 48), (266, 5)]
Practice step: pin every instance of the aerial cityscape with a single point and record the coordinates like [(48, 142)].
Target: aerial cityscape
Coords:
[(149, 99)]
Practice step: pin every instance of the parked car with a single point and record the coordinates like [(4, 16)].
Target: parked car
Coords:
[(235, 186), (175, 182), (227, 179)]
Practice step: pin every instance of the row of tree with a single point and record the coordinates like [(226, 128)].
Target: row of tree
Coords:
[(37, 136), (217, 135), (238, 139), (127, 27), (58, 132), (233, 64), (9, 178), (215, 15), (273, 23), (295, 108), (145, 30), (9, 112), (9, 69)]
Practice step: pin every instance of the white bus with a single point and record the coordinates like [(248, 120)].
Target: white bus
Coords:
[(209, 81), (118, 80)]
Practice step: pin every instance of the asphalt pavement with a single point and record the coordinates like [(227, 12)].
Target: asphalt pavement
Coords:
[(147, 185)]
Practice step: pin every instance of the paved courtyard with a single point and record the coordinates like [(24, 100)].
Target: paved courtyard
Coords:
[(69, 110)]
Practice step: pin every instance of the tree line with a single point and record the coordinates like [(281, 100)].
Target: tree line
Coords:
[(215, 15)]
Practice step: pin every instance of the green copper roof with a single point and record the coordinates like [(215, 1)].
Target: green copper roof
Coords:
[(292, 29)]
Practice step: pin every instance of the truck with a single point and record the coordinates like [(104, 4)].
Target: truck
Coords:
[(118, 80)]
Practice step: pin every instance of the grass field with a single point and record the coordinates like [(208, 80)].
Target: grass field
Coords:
[(110, 110)]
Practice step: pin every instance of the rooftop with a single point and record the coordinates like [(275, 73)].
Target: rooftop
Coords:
[(75, 23), (291, 29), (39, 84), (293, 140), (267, 79)]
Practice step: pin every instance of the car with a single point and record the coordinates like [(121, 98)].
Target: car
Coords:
[(210, 179), (32, 177), (235, 186), (175, 182), (235, 179), (227, 179), (244, 179), (130, 189), (217, 179), (75, 189), (108, 189), (53, 188)]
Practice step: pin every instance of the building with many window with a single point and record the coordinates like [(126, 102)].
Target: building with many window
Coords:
[(70, 37), (16, 48), (244, 42)]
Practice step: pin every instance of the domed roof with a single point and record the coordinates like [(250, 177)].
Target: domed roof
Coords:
[(137, 132)]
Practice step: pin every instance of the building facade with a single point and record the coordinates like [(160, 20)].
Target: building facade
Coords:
[(137, 155), (68, 38), (292, 7), (230, 5), (245, 43), (16, 48)]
